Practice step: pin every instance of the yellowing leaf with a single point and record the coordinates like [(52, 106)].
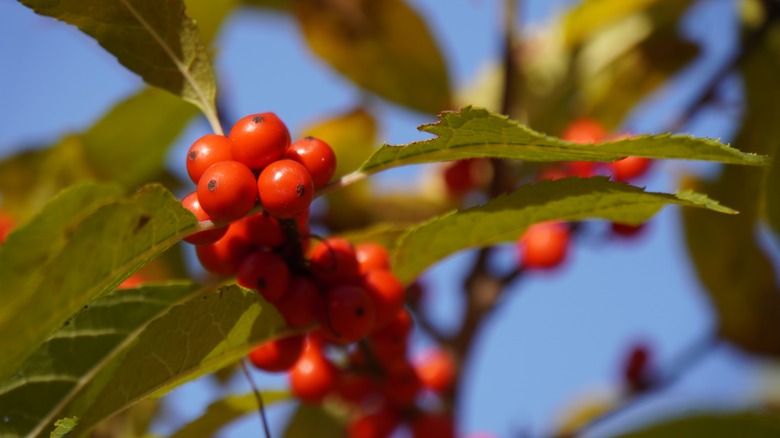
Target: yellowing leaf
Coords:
[(383, 46)]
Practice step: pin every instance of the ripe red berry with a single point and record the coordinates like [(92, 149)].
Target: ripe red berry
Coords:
[(582, 169), (261, 230), (379, 424), (429, 425), (544, 245), (266, 273), (625, 230), (356, 388), (371, 256), (584, 130), (259, 139), (190, 202), (277, 355), (313, 376), (132, 281), (402, 385), (387, 294), (316, 156), (224, 256), (390, 342), (286, 189), (207, 150), (436, 370), (629, 168), (636, 368), (7, 224), (333, 261), (347, 314), (300, 305), (227, 190)]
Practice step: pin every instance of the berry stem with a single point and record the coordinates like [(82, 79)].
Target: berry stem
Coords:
[(258, 396), (344, 181), (294, 245)]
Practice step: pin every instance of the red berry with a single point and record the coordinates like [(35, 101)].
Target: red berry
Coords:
[(552, 174), (7, 224), (190, 202), (379, 424), (333, 261), (544, 245), (286, 189), (356, 388), (629, 168), (227, 190), (582, 169), (402, 385), (347, 314), (584, 130), (300, 305), (132, 281), (433, 425), (316, 156), (261, 230), (436, 370), (313, 376), (277, 355), (266, 273), (390, 342), (259, 140), (371, 256), (635, 369), (207, 150), (224, 256), (625, 230), (387, 294)]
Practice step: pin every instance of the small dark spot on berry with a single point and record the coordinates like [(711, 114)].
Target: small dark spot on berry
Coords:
[(192, 155), (257, 119), (261, 283), (360, 311), (300, 190), (212, 185), (309, 137)]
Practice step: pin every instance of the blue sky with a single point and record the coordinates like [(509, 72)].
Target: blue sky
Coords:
[(559, 336)]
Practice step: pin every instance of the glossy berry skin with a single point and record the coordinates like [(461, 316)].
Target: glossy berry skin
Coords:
[(207, 150), (436, 370), (333, 261), (277, 355), (429, 425), (316, 156), (629, 168), (544, 245), (286, 189), (300, 305), (387, 294), (347, 313), (258, 140), (312, 377), (261, 230), (190, 202), (224, 256), (371, 256), (266, 273), (227, 190)]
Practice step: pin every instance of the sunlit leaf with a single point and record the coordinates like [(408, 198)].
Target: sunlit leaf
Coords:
[(753, 425), (223, 411), (474, 132), (152, 38), (590, 16), (209, 15), (383, 46), (63, 427), (505, 218), (309, 421), (70, 255), (384, 234), (66, 363)]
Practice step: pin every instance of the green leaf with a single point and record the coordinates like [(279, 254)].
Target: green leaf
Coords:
[(748, 424), (153, 38), (738, 275), (67, 362), (772, 195), (82, 245), (385, 234), (192, 339), (127, 145), (209, 15), (63, 427), (130, 143), (222, 412), (475, 132), (383, 46), (507, 217), (590, 16), (310, 421)]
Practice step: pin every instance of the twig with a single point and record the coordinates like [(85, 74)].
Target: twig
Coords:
[(259, 397)]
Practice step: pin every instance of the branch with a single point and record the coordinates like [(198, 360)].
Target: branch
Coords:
[(259, 397)]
